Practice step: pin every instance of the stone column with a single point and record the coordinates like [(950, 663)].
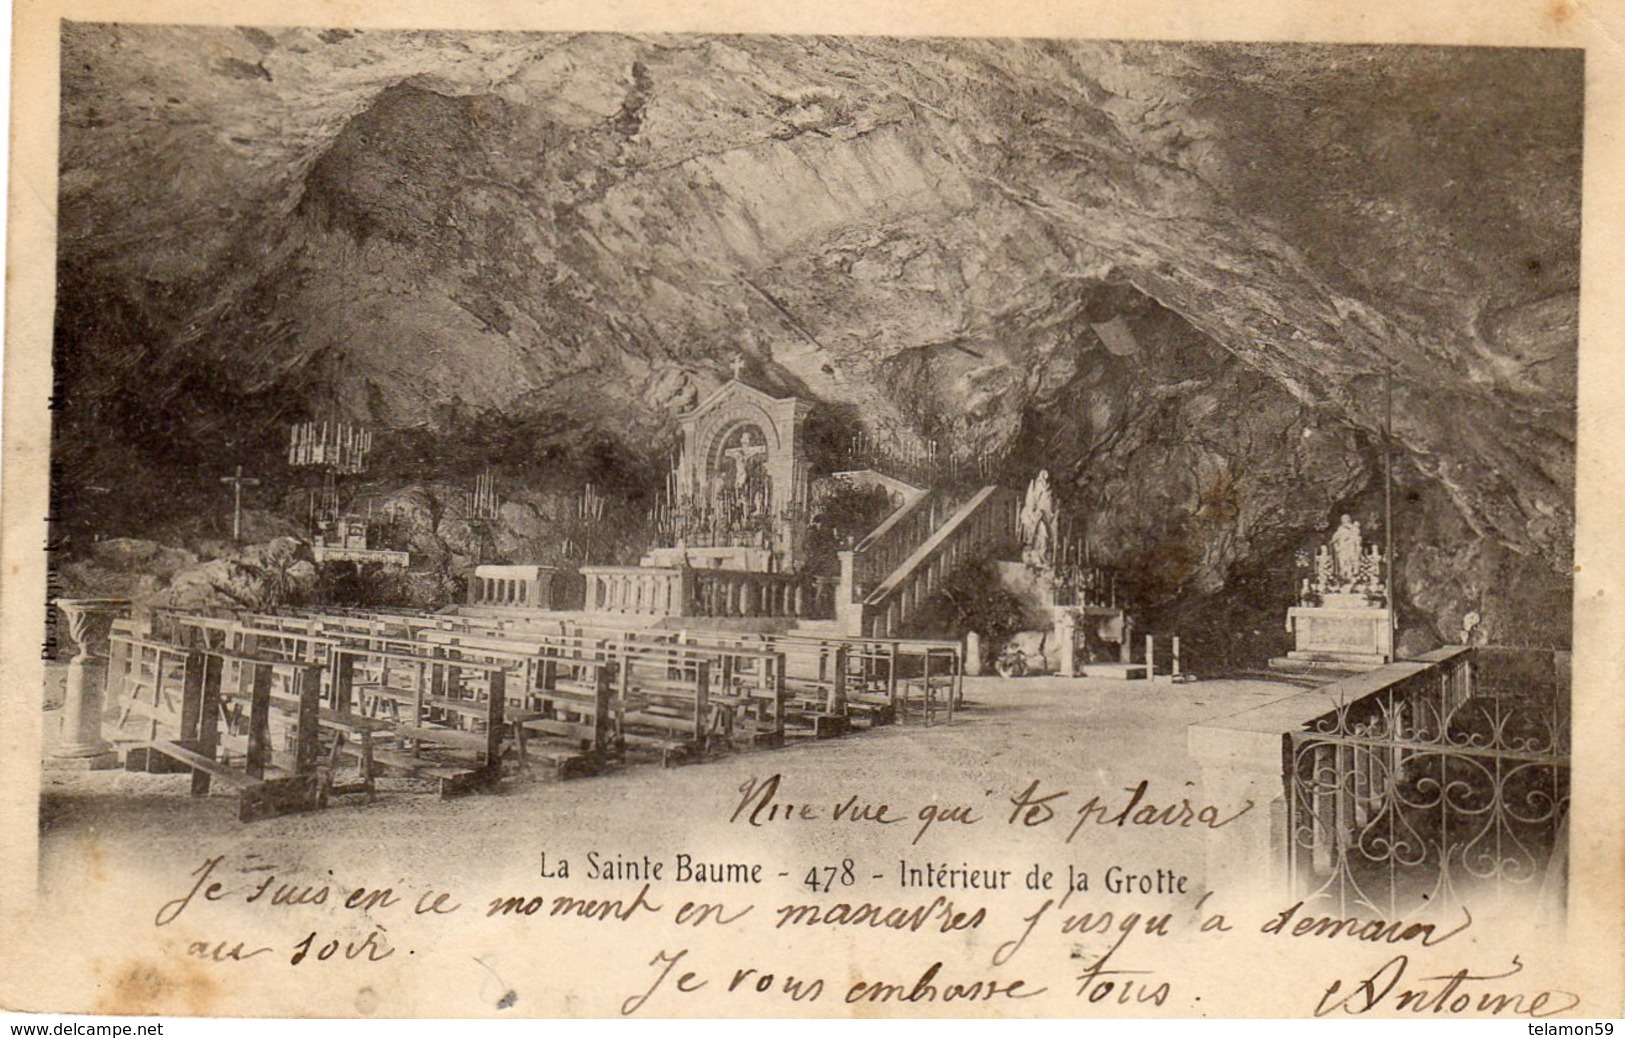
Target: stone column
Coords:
[(973, 654), (90, 621)]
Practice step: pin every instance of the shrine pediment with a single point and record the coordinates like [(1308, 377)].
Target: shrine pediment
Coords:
[(735, 391)]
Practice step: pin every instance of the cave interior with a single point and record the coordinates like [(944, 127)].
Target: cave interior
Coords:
[(1222, 294)]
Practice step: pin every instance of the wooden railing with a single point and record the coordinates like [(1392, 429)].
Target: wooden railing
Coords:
[(448, 698), (879, 554), (984, 520)]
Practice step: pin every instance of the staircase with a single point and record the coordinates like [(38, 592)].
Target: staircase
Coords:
[(889, 574)]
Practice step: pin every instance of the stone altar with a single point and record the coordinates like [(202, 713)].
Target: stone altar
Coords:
[(347, 538), (1343, 616), (733, 520)]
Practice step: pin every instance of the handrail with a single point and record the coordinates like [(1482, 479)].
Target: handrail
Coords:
[(1455, 750), (868, 551), (933, 544)]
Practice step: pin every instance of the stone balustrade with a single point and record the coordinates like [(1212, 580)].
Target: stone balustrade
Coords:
[(516, 587), (637, 590), (737, 593), (880, 553), (986, 518), (678, 591)]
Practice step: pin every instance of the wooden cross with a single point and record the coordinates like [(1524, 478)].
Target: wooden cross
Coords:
[(237, 484)]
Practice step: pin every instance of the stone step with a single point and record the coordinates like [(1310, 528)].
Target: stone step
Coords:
[(1373, 659), (1325, 668)]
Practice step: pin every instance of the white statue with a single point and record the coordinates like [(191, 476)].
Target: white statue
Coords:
[(1038, 524), (1469, 626), (1345, 544)]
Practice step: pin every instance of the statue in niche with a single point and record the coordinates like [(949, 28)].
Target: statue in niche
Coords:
[(1346, 553), (1037, 522), (747, 456)]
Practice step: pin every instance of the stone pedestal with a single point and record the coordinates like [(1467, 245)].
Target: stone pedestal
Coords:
[(90, 620), (1242, 758), (973, 655), (1066, 642)]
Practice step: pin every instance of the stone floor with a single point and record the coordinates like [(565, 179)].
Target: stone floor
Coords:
[(1085, 736)]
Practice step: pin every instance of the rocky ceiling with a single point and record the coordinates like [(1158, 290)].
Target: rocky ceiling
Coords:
[(427, 229)]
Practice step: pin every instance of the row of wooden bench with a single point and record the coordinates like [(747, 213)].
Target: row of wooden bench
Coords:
[(443, 700)]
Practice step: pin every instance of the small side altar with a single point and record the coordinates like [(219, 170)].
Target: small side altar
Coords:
[(1344, 615), (1087, 625)]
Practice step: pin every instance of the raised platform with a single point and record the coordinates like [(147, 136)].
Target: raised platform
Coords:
[(1116, 671)]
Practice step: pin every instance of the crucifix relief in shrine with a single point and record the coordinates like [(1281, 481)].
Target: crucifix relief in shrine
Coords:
[(747, 459), (738, 491)]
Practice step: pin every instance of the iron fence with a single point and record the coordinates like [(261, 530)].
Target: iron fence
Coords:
[(1450, 782)]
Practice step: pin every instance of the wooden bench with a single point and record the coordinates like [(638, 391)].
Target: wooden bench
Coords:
[(191, 739), (816, 691), (665, 704), (441, 711), (569, 719)]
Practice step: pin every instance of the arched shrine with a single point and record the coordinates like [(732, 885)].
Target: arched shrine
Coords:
[(740, 490)]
